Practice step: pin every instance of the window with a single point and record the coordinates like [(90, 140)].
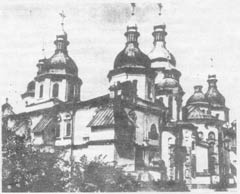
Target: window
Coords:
[(193, 145), (71, 92), (153, 133), (68, 129), (211, 136), (55, 90), (41, 91), (57, 131), (200, 135)]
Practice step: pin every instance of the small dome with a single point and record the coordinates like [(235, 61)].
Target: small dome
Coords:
[(31, 86), (213, 96), (198, 97), (168, 83), (131, 56)]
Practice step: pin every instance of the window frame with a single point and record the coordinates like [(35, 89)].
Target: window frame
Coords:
[(41, 91), (55, 90), (57, 129), (68, 129)]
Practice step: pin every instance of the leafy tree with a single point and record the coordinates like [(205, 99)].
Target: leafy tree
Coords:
[(98, 175), (29, 169)]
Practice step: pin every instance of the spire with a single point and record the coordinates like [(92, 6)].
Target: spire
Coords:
[(159, 29), (61, 42), (160, 53), (132, 34)]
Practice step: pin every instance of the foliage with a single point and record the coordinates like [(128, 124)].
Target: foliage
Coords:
[(98, 175), (169, 186), (27, 169)]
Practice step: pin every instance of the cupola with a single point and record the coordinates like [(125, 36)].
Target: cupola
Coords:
[(198, 97), (131, 55), (213, 96), (160, 56)]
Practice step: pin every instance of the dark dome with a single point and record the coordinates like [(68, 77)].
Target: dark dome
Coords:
[(62, 60), (198, 97), (215, 98), (31, 86), (131, 56)]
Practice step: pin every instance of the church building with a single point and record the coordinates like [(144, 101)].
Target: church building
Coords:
[(141, 122)]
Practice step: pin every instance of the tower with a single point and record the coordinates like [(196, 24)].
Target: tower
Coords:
[(131, 64), (167, 86), (216, 100), (57, 76)]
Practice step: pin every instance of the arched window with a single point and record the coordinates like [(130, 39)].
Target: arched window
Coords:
[(68, 129), (55, 90), (41, 91), (211, 135), (71, 92), (193, 145), (200, 135), (153, 132), (57, 131)]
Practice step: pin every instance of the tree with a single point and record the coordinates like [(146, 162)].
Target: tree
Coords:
[(29, 169), (97, 175)]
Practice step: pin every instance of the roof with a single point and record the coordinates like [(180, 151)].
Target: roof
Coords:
[(195, 112), (104, 117), (43, 124), (131, 56), (198, 97), (19, 125)]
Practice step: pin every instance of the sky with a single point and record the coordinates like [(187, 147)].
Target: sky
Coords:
[(198, 30)]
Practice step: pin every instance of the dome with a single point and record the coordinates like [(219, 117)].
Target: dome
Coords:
[(61, 60), (213, 96), (161, 54), (198, 97), (131, 56), (168, 83), (31, 86)]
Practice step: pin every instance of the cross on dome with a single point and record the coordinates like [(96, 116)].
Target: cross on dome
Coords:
[(62, 15), (133, 5), (160, 8)]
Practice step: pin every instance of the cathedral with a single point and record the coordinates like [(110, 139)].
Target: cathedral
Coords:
[(140, 123)]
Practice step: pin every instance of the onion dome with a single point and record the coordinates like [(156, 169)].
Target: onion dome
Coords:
[(30, 90), (168, 82), (131, 55), (198, 97), (60, 59), (159, 52), (213, 96)]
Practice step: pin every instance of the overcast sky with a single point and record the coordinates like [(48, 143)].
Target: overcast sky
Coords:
[(197, 31)]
